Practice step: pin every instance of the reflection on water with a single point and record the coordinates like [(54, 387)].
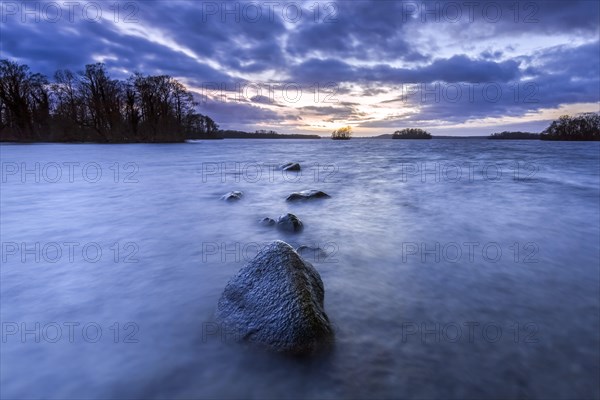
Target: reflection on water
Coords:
[(452, 268)]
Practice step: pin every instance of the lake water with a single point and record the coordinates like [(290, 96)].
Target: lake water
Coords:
[(452, 268)]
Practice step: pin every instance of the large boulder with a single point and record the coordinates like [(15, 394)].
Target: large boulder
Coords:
[(276, 301), (307, 195), (289, 223)]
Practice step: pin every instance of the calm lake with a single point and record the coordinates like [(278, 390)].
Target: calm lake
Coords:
[(452, 268)]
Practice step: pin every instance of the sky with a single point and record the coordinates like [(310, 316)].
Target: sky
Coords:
[(458, 68)]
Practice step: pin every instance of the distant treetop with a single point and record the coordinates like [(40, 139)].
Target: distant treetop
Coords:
[(342, 133), (90, 106), (584, 126), (515, 135), (411, 133)]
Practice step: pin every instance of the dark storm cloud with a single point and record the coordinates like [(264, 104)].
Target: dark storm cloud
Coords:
[(343, 112), (360, 29), (386, 30), (576, 16), (459, 68), (47, 46), (242, 113), (488, 19), (581, 62), (566, 75), (231, 33)]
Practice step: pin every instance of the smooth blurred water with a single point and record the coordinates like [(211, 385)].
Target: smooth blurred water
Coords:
[(423, 302)]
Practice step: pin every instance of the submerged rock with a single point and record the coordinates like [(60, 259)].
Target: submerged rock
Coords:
[(232, 196), (314, 253), (267, 221), (276, 300), (291, 166), (307, 195), (289, 223)]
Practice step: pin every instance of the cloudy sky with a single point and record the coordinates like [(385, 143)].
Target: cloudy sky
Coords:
[(452, 67)]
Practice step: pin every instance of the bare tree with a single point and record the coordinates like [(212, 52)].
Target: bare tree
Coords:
[(24, 101), (91, 106), (344, 133)]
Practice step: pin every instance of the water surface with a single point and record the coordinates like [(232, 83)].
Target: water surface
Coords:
[(452, 268)]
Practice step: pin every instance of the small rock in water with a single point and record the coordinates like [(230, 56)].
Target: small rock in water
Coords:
[(267, 221), (232, 196), (315, 252), (289, 223), (276, 301), (307, 195), (291, 166)]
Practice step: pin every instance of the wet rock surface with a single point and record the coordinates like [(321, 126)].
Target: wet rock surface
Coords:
[(276, 301), (232, 196), (307, 195), (267, 221), (289, 223)]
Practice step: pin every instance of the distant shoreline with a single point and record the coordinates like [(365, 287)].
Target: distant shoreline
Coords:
[(486, 138), (235, 135)]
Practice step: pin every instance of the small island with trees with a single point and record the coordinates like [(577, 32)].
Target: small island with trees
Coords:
[(344, 133), (411, 133), (506, 135)]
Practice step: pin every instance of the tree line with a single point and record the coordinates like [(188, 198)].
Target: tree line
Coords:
[(584, 126), (516, 135), (90, 106), (262, 134)]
